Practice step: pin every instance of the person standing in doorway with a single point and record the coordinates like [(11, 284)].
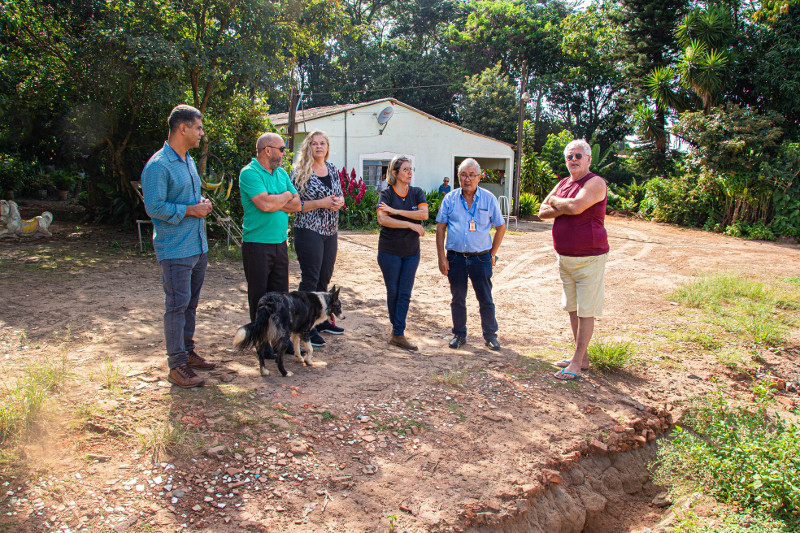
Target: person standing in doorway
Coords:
[(445, 188)]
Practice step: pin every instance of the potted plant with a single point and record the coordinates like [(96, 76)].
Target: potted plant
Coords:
[(62, 180)]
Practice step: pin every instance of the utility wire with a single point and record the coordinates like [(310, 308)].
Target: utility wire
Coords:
[(386, 89)]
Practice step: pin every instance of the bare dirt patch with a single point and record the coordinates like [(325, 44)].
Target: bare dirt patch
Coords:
[(371, 438)]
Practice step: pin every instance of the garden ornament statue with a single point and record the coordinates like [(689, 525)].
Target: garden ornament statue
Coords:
[(16, 227)]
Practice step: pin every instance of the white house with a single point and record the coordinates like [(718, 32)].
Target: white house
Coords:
[(360, 140)]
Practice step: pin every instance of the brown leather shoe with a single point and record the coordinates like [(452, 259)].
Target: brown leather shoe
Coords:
[(183, 376), (402, 342), (198, 363)]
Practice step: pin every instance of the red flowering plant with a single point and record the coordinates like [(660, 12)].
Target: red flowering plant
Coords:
[(360, 202)]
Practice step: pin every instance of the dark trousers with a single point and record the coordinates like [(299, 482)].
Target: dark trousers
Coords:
[(182, 279), (266, 269), (398, 276), (478, 269), (316, 254)]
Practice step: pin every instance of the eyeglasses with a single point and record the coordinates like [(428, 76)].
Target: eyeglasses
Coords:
[(472, 176), (279, 148), (576, 156), (406, 169)]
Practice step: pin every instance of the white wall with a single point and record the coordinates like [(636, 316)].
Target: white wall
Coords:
[(433, 145)]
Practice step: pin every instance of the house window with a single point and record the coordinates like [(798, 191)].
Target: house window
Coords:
[(373, 170)]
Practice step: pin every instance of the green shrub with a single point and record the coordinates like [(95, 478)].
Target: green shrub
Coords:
[(626, 197), (728, 521), (536, 175), (613, 200), (528, 204), (677, 200), (740, 455), (759, 231), (434, 199)]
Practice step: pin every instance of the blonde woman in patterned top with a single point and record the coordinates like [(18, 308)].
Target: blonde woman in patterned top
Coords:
[(316, 226)]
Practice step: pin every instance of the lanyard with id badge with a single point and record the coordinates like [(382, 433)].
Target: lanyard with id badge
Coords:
[(471, 212)]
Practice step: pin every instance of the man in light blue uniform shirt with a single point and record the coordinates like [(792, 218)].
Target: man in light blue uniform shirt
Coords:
[(172, 198), (465, 218)]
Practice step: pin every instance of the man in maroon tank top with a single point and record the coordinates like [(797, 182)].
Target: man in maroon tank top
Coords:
[(577, 206)]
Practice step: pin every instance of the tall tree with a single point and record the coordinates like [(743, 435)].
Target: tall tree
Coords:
[(488, 104), (649, 43), (392, 48), (588, 93), (123, 64), (512, 32)]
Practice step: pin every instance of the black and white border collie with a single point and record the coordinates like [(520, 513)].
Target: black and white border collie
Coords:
[(282, 316)]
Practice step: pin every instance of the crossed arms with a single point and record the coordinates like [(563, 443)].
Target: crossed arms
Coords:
[(592, 192), (286, 201)]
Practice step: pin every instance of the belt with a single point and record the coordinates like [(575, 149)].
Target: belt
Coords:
[(468, 254)]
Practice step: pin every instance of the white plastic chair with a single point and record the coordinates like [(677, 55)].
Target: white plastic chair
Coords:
[(505, 209)]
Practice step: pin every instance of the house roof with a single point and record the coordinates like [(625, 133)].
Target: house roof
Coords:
[(305, 115)]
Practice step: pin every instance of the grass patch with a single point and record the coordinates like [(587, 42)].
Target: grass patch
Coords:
[(713, 290), (22, 401), (453, 376), (733, 359), (728, 521), (569, 385), (111, 375), (167, 438), (221, 252), (704, 339), (741, 455), (326, 415), (742, 306), (610, 355)]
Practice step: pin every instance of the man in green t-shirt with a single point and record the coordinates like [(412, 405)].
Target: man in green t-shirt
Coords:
[(268, 197)]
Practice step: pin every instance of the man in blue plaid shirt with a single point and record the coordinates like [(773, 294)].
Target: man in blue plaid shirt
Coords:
[(173, 200)]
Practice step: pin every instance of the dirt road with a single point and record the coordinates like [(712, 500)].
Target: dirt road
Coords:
[(369, 436)]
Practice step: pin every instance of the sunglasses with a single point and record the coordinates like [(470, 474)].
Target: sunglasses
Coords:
[(279, 148), (569, 157)]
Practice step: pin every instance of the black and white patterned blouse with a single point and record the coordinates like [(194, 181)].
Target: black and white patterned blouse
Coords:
[(323, 221)]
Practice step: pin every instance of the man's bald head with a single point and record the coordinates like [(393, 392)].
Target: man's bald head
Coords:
[(268, 139)]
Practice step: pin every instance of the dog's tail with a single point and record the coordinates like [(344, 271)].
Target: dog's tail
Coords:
[(266, 329)]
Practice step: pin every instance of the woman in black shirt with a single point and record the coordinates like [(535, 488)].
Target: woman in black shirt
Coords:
[(401, 210)]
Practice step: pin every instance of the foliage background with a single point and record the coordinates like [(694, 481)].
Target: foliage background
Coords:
[(692, 108)]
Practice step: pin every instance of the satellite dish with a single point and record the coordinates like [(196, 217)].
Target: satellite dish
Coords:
[(385, 115)]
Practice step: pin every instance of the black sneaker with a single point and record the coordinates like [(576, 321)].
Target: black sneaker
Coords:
[(316, 339), (327, 327)]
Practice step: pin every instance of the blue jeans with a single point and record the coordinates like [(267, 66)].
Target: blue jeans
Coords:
[(182, 280), (398, 275), (478, 269)]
